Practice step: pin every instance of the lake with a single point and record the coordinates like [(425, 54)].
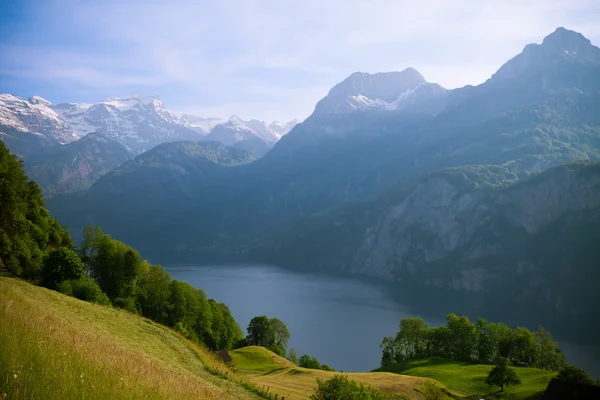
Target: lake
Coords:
[(341, 321)]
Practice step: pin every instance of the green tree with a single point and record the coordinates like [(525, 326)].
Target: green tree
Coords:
[(571, 373), (549, 355), (462, 338), (341, 387), (485, 344), (292, 356), (61, 265), (501, 375), (326, 367), (279, 333), (411, 337), (153, 293), (524, 348), (85, 289), (501, 337), (259, 331), (307, 361), (27, 232), (391, 351)]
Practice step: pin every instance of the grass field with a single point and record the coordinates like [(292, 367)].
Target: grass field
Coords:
[(57, 347), (468, 379), (265, 368)]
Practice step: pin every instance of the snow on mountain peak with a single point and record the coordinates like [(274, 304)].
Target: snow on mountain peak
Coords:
[(381, 91), (35, 116)]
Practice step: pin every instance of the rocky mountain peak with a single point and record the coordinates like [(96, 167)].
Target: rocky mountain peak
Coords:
[(561, 46), (381, 91)]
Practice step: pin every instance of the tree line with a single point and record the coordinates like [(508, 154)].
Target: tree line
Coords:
[(484, 342), (103, 270)]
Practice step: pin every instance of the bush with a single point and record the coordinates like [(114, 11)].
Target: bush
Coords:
[(326, 367), (85, 289), (341, 387), (571, 373), (126, 303), (61, 265)]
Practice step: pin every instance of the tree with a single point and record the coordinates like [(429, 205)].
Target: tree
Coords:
[(279, 333), (411, 337), (307, 361), (549, 355), (485, 344), (259, 331), (292, 356), (524, 348), (341, 387), (571, 373), (463, 337), (153, 293), (326, 367), (61, 265), (391, 351), (27, 232), (85, 289), (501, 375)]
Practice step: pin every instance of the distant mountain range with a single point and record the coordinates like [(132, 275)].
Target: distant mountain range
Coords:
[(43, 133)]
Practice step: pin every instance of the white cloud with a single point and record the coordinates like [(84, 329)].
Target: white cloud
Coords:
[(276, 59)]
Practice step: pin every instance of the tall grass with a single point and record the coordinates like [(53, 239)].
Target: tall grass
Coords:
[(56, 347)]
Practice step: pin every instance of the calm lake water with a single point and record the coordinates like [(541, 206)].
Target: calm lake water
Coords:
[(341, 321)]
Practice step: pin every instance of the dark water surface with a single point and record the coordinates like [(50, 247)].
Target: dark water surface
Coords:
[(341, 321)]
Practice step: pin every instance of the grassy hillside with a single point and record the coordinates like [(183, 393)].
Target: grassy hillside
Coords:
[(468, 379), (265, 368), (57, 347)]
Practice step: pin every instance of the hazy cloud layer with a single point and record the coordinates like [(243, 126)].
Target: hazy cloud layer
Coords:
[(265, 59)]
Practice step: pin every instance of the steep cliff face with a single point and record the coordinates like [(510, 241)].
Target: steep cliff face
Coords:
[(449, 233)]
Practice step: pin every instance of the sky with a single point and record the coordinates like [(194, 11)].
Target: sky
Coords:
[(269, 59)]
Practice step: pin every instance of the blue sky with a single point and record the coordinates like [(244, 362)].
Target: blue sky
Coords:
[(269, 59)]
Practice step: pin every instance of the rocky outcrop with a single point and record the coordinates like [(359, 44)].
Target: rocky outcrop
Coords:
[(466, 238)]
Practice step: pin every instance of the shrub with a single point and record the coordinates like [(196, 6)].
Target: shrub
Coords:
[(571, 373), (61, 265), (84, 289), (341, 387), (126, 303)]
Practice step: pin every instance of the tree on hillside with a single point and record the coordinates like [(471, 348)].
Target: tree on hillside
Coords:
[(412, 337), (270, 333), (307, 361), (293, 356), (27, 232), (501, 375), (61, 265), (549, 355), (259, 331), (463, 337), (279, 332), (391, 351), (524, 348), (571, 373)]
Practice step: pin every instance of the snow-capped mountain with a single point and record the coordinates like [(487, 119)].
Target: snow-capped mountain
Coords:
[(34, 116), (270, 133), (199, 124), (235, 133), (387, 91), (139, 123)]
